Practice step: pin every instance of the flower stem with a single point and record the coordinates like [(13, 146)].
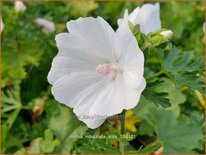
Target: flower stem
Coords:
[(122, 120), (145, 46), (156, 74)]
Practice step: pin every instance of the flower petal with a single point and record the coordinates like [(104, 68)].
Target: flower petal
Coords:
[(91, 42), (115, 97), (74, 55), (134, 15), (76, 84), (97, 32), (71, 88), (133, 96), (132, 58), (149, 18), (76, 47), (92, 109), (64, 65)]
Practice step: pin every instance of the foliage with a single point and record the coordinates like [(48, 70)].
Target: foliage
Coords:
[(44, 144), (156, 97), (67, 130), (183, 70), (169, 115), (175, 132)]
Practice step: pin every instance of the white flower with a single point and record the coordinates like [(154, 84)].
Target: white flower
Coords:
[(166, 34), (148, 17), (48, 26), (98, 72), (1, 24), (19, 6)]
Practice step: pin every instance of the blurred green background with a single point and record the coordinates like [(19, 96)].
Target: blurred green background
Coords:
[(33, 122)]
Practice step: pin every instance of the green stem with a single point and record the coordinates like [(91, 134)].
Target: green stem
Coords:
[(160, 73), (168, 75), (25, 107), (156, 74), (152, 60), (144, 46)]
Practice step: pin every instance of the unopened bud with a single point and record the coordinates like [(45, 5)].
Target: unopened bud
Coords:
[(166, 34), (38, 109), (19, 6), (48, 26), (1, 24)]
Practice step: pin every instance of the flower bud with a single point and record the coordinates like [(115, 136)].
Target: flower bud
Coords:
[(158, 38), (19, 6), (166, 34), (48, 26), (203, 28), (38, 108), (1, 24)]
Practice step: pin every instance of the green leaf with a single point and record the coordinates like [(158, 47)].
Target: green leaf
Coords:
[(184, 70), (140, 37), (177, 61), (11, 100), (106, 10), (11, 106), (158, 98), (175, 96), (44, 144), (173, 17), (151, 148), (67, 128), (177, 134)]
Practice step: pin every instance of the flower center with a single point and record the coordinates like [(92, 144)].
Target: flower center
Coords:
[(109, 69), (103, 69)]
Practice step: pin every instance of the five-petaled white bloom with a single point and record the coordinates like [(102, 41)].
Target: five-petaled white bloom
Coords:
[(148, 17), (98, 72), (48, 26), (19, 6)]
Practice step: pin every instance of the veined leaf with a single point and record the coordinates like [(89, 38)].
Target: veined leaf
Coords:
[(182, 67), (158, 98), (175, 96), (177, 133)]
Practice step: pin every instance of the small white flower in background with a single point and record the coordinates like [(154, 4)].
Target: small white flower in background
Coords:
[(1, 24), (148, 17), (203, 28), (48, 26), (167, 34), (98, 72), (19, 6)]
